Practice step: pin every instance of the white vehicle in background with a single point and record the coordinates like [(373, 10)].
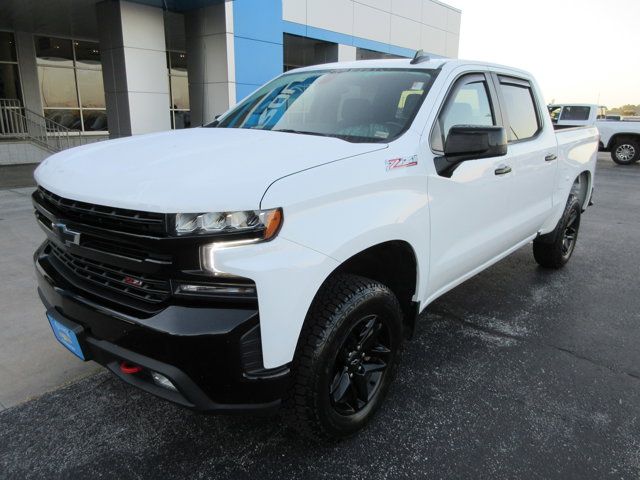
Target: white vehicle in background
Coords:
[(282, 254), (619, 137)]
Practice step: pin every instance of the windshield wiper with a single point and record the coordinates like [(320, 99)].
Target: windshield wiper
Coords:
[(302, 132)]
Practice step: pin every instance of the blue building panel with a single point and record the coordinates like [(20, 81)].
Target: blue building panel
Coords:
[(258, 20), (257, 61), (258, 43)]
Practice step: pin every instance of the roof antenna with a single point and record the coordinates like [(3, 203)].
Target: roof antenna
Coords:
[(420, 57)]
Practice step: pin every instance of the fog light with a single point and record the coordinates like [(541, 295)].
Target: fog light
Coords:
[(163, 381)]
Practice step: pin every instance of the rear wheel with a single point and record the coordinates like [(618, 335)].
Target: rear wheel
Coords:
[(345, 357), (625, 151), (554, 249)]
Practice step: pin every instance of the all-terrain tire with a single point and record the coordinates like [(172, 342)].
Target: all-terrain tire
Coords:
[(554, 249), (341, 306)]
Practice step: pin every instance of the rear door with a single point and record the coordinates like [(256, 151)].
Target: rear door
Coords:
[(532, 156), (469, 210)]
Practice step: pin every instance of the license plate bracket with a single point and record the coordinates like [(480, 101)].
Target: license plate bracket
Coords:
[(67, 333)]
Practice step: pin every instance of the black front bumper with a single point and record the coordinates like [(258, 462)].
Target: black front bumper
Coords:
[(211, 354)]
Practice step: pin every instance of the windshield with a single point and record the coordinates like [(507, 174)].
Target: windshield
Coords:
[(357, 105)]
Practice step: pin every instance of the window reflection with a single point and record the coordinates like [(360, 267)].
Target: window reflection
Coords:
[(178, 90), (9, 73), (9, 81), (181, 120), (7, 47), (87, 55), (54, 51), (94, 120), (71, 85), (91, 88), (57, 87), (179, 93), (67, 118)]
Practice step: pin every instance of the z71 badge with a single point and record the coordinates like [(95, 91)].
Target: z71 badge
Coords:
[(411, 161)]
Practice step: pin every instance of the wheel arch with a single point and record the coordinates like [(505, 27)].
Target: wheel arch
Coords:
[(622, 136), (393, 263), (582, 187)]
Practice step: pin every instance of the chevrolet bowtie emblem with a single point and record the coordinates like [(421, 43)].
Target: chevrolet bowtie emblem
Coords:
[(65, 235)]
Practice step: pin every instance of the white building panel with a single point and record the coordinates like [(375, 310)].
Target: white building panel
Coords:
[(433, 40), (407, 8), (294, 11), (405, 33), (434, 14), (384, 5), (334, 15), (453, 21), (453, 41), (371, 23)]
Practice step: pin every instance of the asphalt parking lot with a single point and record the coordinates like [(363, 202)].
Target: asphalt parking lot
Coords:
[(518, 373)]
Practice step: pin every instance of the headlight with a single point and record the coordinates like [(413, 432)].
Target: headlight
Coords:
[(265, 223)]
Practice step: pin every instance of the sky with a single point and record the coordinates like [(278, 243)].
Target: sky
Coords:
[(580, 51)]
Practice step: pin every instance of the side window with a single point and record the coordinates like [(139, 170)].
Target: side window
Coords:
[(521, 111), (554, 113), (469, 104), (575, 112)]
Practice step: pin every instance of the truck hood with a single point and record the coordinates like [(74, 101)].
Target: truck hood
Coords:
[(188, 171)]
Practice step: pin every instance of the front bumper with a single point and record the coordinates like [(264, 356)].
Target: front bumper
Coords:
[(211, 354)]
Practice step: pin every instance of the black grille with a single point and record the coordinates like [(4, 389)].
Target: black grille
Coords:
[(118, 219), (134, 285)]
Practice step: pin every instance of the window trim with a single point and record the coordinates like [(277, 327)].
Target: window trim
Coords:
[(500, 79), (463, 79)]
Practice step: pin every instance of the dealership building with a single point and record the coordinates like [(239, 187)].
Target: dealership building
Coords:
[(76, 71)]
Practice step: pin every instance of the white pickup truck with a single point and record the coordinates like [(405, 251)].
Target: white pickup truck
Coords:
[(281, 255), (619, 137)]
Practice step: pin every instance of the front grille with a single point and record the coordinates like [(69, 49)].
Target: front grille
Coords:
[(118, 219), (144, 288)]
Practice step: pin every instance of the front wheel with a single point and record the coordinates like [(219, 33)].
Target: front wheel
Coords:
[(554, 249), (345, 357), (625, 151)]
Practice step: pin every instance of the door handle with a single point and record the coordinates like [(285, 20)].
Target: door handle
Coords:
[(502, 170), (551, 157)]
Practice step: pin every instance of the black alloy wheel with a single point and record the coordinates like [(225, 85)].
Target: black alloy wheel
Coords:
[(570, 235), (360, 365)]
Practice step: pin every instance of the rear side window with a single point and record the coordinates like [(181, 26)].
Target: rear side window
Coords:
[(521, 110), (575, 113), (468, 105)]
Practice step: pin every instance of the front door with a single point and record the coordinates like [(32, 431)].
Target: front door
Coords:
[(469, 209)]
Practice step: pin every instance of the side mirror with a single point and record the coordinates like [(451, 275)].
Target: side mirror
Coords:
[(471, 142)]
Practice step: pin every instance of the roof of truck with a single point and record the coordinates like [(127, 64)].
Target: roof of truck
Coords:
[(431, 63)]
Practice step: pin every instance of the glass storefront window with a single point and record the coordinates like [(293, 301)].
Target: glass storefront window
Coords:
[(57, 87), (7, 47), (179, 93), (56, 52), (179, 108), (94, 120), (88, 55), (71, 85), (9, 72), (9, 81), (66, 117), (91, 88)]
